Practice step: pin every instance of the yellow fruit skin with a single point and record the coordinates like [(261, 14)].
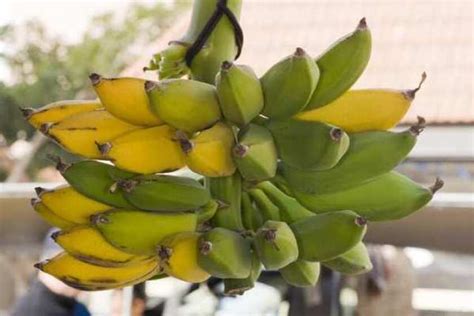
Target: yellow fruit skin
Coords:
[(87, 244), (154, 150), (57, 111), (126, 99), (79, 133), (49, 217), (88, 277), (182, 262), (211, 153), (69, 204), (362, 110)]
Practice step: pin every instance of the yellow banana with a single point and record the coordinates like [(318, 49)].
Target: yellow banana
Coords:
[(48, 216), (153, 148), (58, 111), (126, 99), (365, 110), (79, 133), (88, 277)]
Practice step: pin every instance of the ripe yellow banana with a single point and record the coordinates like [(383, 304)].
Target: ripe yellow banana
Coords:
[(50, 217), (154, 150), (126, 99), (58, 111)]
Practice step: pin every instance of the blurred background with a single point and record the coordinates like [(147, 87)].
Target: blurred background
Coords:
[(48, 48)]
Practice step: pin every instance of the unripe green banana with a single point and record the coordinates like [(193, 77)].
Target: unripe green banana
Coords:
[(276, 245), (387, 197), (251, 216), (186, 105), (289, 84), (341, 65), (301, 273), (96, 180), (370, 154), (326, 236), (228, 191), (139, 232), (224, 253), (255, 155), (164, 193), (207, 211), (268, 210), (240, 93), (353, 262), (239, 286), (309, 145)]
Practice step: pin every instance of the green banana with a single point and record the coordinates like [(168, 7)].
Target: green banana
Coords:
[(387, 197), (164, 193), (276, 245), (96, 180), (289, 84), (255, 154), (139, 232), (268, 210), (309, 145), (228, 191), (343, 228), (240, 93), (224, 253), (174, 100), (341, 65), (207, 211), (239, 286), (370, 154), (301, 273), (353, 262), (251, 217)]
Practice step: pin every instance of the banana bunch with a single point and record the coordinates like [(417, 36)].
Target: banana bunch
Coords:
[(290, 168)]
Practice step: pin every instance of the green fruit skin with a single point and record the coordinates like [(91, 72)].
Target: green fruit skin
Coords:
[(260, 161), (167, 193), (308, 145), (387, 197), (326, 236), (340, 66), (251, 217), (95, 180), (353, 262), (268, 210), (230, 255), (288, 85), (370, 154), (240, 94), (301, 273), (239, 286), (280, 252), (227, 190), (207, 211)]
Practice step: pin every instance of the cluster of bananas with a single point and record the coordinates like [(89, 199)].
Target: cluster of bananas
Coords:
[(289, 168)]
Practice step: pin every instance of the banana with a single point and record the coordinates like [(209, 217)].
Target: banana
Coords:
[(49, 217), (387, 197), (290, 209), (309, 145), (240, 286), (178, 257), (268, 210), (251, 217), (164, 193), (187, 105), (255, 154), (88, 245), (343, 228), (301, 273), (224, 254), (139, 232), (154, 150), (228, 191), (276, 245), (288, 85), (80, 132), (370, 154), (341, 65), (170, 62), (126, 99), (240, 93), (209, 153), (207, 211), (88, 277), (65, 202), (96, 180), (365, 110), (353, 262), (58, 111)]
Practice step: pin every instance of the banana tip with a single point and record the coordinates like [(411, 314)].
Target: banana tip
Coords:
[(360, 221), (240, 150), (40, 191), (95, 78), (98, 219), (164, 253), (416, 129), (34, 202), (205, 247), (439, 183), (362, 24), (410, 94), (54, 236), (186, 145), (104, 148), (39, 265), (336, 134), (45, 127), (226, 65), (61, 166), (299, 52), (150, 85), (27, 112)]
